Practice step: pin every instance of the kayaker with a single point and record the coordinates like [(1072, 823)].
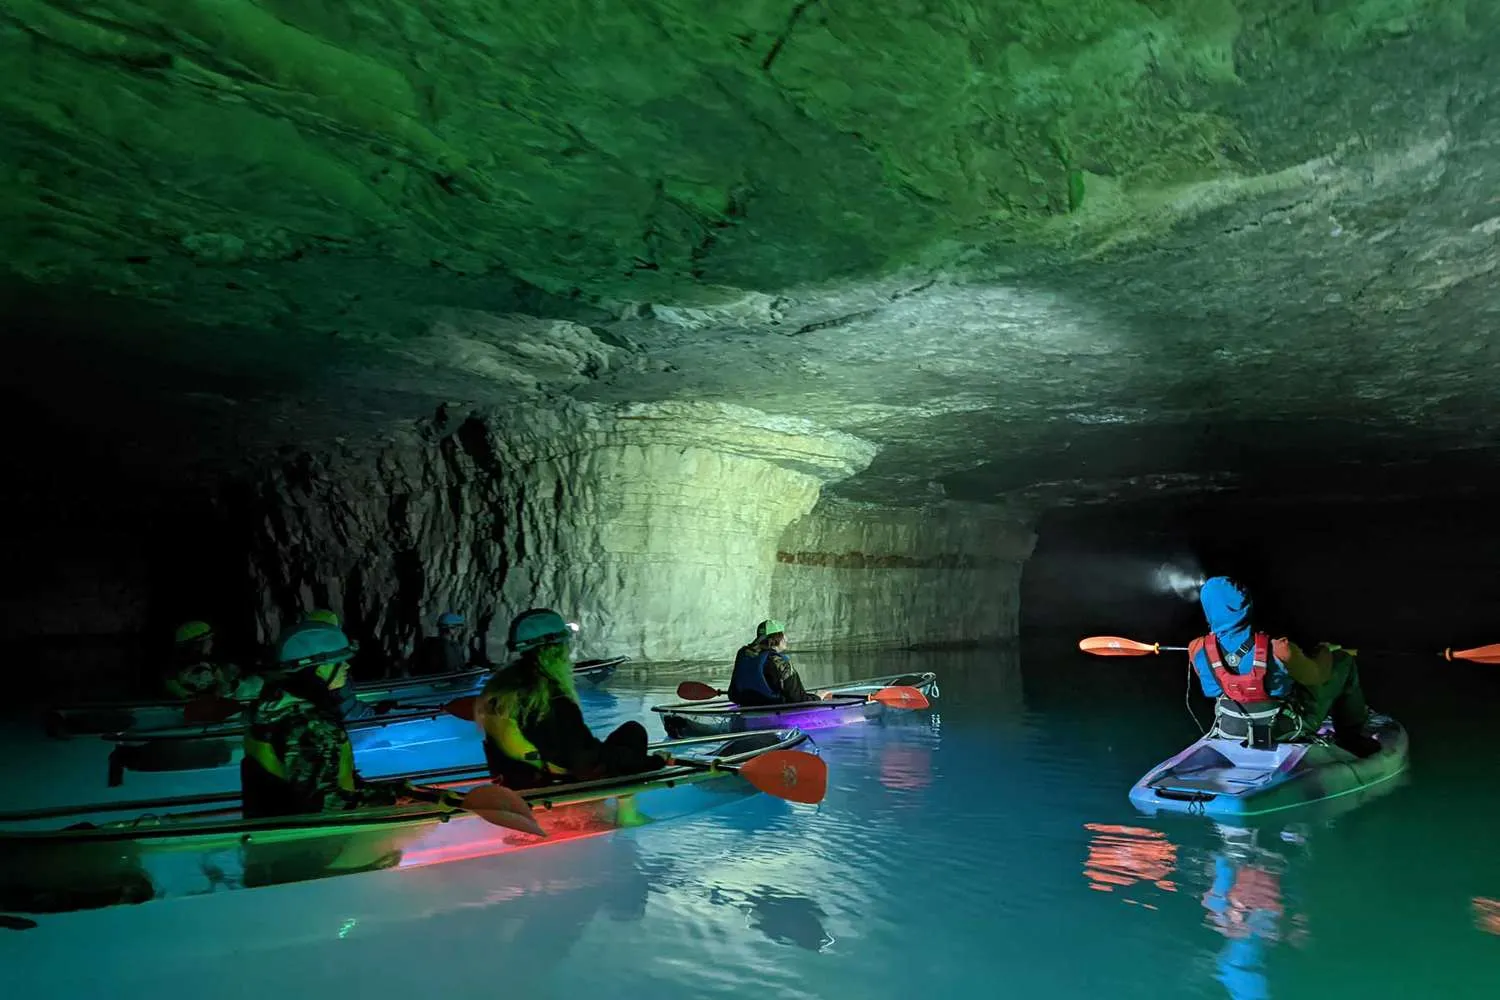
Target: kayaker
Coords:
[(534, 731), (195, 672), (444, 653), (1273, 680), (298, 758), (763, 673)]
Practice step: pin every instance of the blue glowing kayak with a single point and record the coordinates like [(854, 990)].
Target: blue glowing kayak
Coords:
[(841, 705), (1222, 778), (87, 857)]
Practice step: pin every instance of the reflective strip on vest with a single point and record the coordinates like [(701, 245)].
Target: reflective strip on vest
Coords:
[(1246, 687)]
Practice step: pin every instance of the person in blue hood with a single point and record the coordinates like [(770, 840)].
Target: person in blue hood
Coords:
[(1272, 680)]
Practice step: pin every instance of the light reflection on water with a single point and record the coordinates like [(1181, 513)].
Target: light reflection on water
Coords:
[(982, 849)]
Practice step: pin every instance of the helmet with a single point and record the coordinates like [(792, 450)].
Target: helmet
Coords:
[(537, 627), (769, 627), (312, 644), (322, 615), (192, 631), (450, 619)]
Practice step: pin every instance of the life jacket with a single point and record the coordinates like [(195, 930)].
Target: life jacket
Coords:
[(264, 785), (750, 675), (1240, 687)]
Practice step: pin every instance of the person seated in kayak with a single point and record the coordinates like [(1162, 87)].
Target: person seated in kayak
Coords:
[(298, 758), (534, 731), (195, 671), (763, 673), (444, 653), (1273, 679)]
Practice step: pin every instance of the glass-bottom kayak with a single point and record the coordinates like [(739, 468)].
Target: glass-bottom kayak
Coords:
[(839, 705), (96, 718), (86, 857), (1222, 778), (381, 745)]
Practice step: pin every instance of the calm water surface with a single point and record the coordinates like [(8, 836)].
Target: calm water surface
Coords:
[(986, 848)]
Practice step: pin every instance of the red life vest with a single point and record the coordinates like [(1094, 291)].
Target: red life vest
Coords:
[(1245, 687)]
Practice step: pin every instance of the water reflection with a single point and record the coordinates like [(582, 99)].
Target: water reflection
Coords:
[(1244, 903), (1122, 856), (1487, 914)]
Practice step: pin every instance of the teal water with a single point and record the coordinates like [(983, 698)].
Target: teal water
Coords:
[(985, 848)]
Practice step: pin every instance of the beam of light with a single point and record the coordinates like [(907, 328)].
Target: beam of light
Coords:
[(1184, 579)]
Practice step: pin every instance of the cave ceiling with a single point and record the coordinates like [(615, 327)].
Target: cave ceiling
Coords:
[(1042, 252)]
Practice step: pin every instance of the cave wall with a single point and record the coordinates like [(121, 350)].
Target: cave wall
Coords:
[(859, 574), (654, 527)]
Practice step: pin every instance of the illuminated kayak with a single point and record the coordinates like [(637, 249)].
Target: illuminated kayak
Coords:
[(1221, 777), (840, 705), (92, 856), (97, 718), (222, 745)]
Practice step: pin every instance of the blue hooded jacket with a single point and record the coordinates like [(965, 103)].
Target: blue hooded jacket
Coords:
[(1227, 607)]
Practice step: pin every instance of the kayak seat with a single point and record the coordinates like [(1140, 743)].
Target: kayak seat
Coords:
[(1259, 723)]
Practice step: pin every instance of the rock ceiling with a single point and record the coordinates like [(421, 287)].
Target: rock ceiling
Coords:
[(1039, 251)]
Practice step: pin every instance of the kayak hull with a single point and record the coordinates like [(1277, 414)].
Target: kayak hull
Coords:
[(94, 856), (222, 745), (845, 704), (1222, 779)]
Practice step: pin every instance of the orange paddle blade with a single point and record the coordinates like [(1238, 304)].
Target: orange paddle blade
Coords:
[(696, 691), (1479, 654), (202, 711), (793, 775), (1113, 645), (901, 696), (502, 807), (462, 708)]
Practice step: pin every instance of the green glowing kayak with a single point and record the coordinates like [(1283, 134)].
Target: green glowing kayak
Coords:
[(87, 857), (840, 705)]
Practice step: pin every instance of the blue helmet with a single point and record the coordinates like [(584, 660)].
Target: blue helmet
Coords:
[(450, 619), (312, 644), (537, 627)]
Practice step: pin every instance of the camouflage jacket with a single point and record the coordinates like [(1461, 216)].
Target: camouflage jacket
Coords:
[(305, 759)]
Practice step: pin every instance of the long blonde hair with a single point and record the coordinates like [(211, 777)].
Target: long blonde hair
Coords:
[(524, 690)]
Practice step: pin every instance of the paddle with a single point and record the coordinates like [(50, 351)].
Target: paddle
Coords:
[(496, 805), (900, 696), (794, 775), (1113, 645)]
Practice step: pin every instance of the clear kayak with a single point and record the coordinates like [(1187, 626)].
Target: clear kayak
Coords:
[(97, 718), (92, 856), (222, 744), (839, 705), (1222, 778)]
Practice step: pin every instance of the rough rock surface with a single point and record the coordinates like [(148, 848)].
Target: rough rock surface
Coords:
[(1038, 251), (856, 574), (655, 527)]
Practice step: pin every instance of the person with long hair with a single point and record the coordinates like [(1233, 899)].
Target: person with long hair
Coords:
[(534, 730)]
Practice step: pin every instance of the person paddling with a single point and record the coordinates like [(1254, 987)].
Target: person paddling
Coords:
[(763, 673), (1260, 679), (534, 731)]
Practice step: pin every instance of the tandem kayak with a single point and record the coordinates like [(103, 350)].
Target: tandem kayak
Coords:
[(838, 706), (1222, 778), (222, 744), (87, 857)]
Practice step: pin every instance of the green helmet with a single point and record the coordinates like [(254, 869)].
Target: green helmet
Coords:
[(322, 615), (312, 644), (769, 627), (193, 631), (537, 627)]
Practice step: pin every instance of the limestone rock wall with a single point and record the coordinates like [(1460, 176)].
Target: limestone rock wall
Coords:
[(654, 527), (853, 574)]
